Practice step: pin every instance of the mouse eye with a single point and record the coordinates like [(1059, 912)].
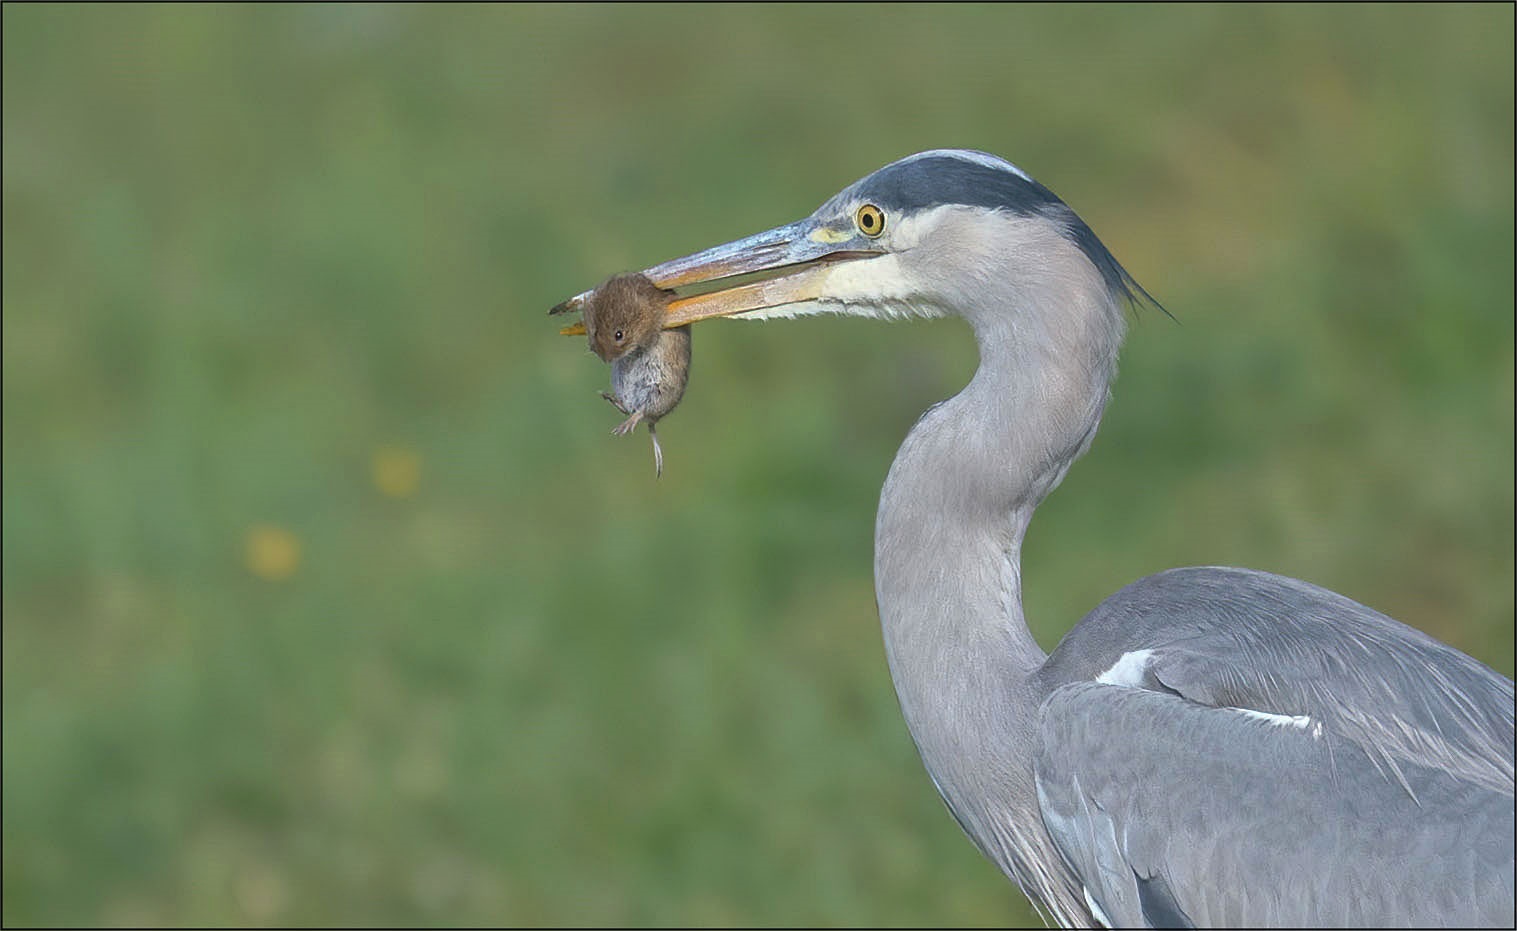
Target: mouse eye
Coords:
[(618, 336), (870, 220)]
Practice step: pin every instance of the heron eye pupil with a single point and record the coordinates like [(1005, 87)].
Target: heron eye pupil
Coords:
[(871, 220)]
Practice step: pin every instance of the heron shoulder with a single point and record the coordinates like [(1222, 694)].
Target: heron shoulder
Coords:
[(1294, 653)]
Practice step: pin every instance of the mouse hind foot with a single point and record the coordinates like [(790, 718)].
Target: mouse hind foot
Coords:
[(628, 425)]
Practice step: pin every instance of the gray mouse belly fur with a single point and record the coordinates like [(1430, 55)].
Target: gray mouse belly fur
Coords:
[(653, 381)]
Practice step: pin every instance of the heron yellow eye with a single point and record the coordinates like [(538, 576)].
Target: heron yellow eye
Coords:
[(870, 220)]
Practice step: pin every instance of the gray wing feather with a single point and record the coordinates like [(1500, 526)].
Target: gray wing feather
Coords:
[(1087, 839), (1394, 806), (1175, 813), (1245, 639)]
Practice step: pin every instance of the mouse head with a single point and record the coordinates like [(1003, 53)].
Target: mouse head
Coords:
[(624, 315)]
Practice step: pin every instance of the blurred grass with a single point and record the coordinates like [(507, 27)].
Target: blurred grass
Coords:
[(327, 599)]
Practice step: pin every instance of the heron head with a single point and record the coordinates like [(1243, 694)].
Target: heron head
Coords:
[(951, 231)]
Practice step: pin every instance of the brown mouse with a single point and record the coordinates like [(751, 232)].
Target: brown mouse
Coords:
[(624, 320)]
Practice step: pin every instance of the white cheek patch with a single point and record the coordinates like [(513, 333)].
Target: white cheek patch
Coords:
[(866, 280), (875, 287)]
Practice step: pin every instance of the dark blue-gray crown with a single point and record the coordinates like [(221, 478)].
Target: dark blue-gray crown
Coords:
[(977, 179)]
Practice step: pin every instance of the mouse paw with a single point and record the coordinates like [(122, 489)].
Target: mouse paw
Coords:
[(628, 425)]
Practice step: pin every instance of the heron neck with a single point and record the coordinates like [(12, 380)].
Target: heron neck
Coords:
[(948, 543), (948, 540)]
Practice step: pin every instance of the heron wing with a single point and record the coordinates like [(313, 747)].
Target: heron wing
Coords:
[(1270, 737), (1175, 814), (1244, 639)]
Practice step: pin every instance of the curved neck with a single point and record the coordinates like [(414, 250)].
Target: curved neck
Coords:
[(948, 543), (956, 504)]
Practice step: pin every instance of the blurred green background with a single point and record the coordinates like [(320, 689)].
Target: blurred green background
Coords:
[(329, 599)]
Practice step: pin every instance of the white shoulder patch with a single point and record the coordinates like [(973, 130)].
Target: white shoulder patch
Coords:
[(1298, 721), (1128, 670)]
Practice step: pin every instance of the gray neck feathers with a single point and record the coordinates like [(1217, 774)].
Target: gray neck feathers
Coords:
[(956, 506)]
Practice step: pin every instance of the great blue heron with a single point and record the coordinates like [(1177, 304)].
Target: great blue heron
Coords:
[(1209, 746)]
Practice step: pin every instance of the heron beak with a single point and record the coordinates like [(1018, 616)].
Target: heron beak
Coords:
[(794, 261)]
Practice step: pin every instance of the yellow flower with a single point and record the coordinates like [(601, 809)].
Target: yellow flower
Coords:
[(396, 471), (271, 553)]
